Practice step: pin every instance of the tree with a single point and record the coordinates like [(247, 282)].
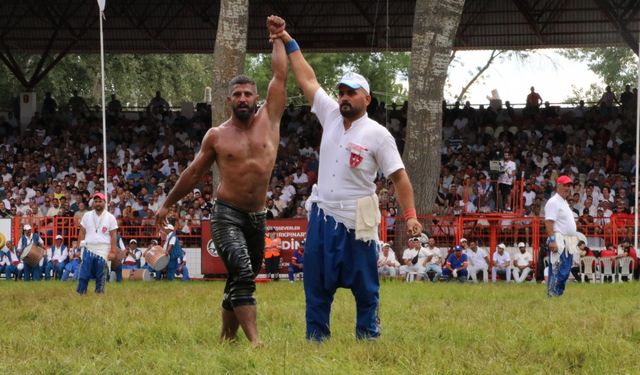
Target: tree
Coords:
[(385, 71), (435, 24), (228, 58), (616, 66)]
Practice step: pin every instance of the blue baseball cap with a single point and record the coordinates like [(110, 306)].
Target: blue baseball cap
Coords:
[(457, 248)]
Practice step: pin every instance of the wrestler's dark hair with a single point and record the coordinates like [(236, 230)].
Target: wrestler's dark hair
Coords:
[(241, 80)]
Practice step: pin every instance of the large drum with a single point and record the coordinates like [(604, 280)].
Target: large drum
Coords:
[(140, 275), (117, 261), (32, 254), (156, 258)]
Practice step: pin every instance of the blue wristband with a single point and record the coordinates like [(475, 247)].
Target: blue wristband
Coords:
[(291, 46)]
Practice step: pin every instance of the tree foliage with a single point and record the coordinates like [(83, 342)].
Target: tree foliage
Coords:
[(386, 72), (616, 67), (134, 78), (180, 77)]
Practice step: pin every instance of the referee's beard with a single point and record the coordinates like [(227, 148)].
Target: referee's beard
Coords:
[(98, 207)]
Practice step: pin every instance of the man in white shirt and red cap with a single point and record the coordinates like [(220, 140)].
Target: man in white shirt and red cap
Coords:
[(562, 236), (97, 234)]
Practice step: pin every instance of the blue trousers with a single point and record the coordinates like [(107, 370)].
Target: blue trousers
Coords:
[(118, 272), (53, 268), (185, 273), (462, 274), (93, 267), (11, 271), (335, 259), (71, 267), (558, 274), (32, 273), (293, 270)]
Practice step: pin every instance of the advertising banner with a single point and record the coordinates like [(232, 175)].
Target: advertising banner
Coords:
[(290, 231)]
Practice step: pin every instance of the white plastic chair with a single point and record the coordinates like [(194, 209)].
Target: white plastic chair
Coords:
[(411, 276), (624, 266), (588, 269), (608, 269)]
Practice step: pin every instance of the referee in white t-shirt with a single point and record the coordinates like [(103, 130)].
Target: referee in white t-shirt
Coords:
[(98, 231), (561, 231)]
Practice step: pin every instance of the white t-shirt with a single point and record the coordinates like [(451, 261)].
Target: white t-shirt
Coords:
[(170, 242), (434, 254), (501, 260), (522, 260), (97, 231), (508, 174), (558, 210), (410, 253), (338, 181), (477, 258), (390, 259)]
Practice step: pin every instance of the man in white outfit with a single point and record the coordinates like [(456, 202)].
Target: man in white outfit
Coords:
[(98, 229), (501, 264), (522, 264), (387, 262), (409, 255), (478, 262)]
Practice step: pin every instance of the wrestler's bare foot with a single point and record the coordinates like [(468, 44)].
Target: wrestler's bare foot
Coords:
[(230, 326), (246, 315)]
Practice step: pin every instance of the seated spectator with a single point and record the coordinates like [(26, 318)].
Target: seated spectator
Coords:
[(522, 264), (73, 265), (14, 266), (297, 261), (387, 263), (501, 264), (133, 256), (412, 258), (57, 256), (478, 262), (456, 265), (433, 261)]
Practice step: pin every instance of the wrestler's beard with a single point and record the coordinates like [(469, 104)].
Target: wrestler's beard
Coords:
[(244, 116), (348, 111)]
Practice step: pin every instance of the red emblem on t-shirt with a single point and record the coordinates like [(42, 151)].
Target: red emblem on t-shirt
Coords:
[(105, 229), (357, 153)]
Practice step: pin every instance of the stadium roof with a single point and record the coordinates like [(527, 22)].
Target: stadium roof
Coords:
[(172, 26)]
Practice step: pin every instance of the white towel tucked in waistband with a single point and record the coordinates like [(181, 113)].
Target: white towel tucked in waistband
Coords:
[(367, 218), (569, 243), (100, 249)]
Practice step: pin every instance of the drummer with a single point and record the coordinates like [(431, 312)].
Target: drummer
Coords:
[(173, 249), (29, 238), (98, 234), (116, 264)]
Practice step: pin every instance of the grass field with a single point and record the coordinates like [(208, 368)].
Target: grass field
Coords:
[(172, 328)]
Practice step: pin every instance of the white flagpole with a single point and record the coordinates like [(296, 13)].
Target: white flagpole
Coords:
[(635, 209), (101, 5)]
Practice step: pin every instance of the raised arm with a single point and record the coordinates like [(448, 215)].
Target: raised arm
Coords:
[(277, 91), (305, 76)]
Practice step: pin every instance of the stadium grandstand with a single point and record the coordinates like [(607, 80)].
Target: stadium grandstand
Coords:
[(51, 165)]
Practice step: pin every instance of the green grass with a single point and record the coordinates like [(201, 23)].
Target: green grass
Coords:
[(167, 328)]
